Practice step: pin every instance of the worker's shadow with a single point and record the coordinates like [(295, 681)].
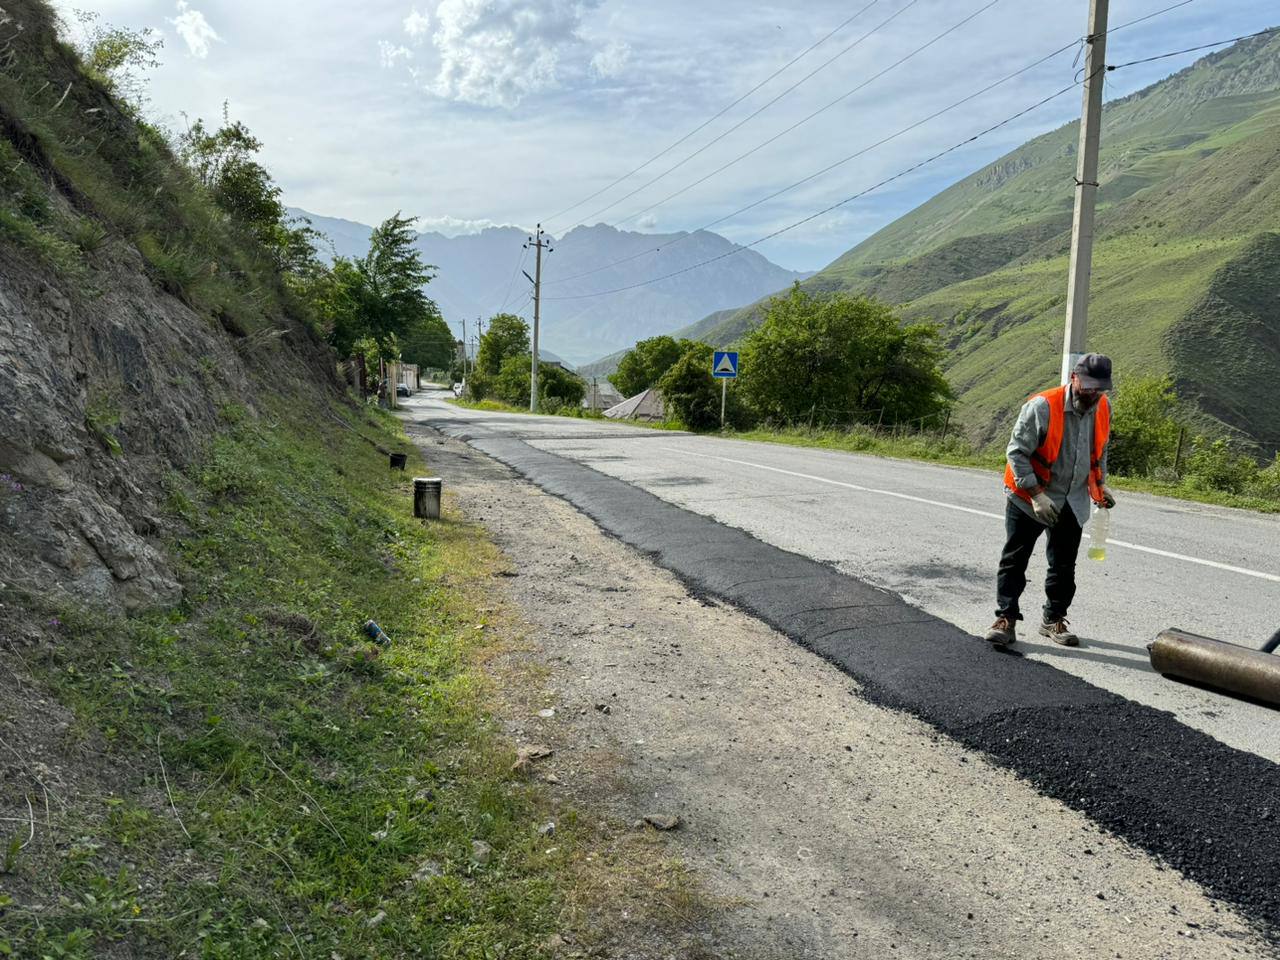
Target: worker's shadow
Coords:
[(1090, 650)]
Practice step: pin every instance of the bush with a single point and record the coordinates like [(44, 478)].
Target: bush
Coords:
[(1144, 428), (646, 363), (1213, 465), (692, 396), (1266, 483), (838, 358), (557, 387)]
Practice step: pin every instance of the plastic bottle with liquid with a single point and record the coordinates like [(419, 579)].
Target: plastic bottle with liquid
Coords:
[(1099, 528)]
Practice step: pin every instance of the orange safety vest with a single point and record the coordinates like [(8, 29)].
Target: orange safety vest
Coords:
[(1047, 453)]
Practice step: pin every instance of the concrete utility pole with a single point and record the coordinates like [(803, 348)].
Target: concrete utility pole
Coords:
[(1095, 71), (538, 243), (464, 351)]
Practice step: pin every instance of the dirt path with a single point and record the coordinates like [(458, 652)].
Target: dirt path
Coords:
[(824, 826)]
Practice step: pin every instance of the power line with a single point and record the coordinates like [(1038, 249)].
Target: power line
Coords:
[(834, 206), (1203, 46), (751, 116), (832, 166), (820, 110), (524, 253), (909, 170), (852, 156), (716, 116)]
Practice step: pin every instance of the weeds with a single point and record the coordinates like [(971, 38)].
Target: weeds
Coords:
[(282, 782), (102, 416)]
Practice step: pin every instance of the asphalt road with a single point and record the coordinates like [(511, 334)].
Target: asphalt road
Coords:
[(932, 535)]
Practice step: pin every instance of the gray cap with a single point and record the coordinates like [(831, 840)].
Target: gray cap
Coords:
[(1094, 371)]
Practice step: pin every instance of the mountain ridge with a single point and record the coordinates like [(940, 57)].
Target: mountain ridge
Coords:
[(1190, 184), (478, 275)]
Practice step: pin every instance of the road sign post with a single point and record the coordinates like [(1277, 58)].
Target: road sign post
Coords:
[(724, 367)]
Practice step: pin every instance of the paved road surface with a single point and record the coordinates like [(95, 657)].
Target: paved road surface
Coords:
[(933, 534)]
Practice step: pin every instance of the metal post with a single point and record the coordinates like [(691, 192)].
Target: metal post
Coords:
[(724, 392), (1095, 71)]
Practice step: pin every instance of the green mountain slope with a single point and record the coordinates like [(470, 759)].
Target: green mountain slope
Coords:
[(1189, 207)]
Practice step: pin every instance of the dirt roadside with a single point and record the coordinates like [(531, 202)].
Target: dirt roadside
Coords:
[(816, 824)]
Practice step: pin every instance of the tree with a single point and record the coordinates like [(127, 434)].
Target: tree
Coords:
[(557, 386), (646, 363), (381, 294), (689, 392), (224, 162), (841, 358), (430, 344), (507, 336), (118, 57)]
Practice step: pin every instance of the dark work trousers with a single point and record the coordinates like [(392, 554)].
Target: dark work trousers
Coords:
[(1023, 531)]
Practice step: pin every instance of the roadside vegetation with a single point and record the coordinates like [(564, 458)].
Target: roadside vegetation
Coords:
[(247, 773), (259, 778), (503, 371), (846, 373)]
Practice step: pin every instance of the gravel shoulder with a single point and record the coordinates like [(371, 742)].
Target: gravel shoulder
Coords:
[(814, 823)]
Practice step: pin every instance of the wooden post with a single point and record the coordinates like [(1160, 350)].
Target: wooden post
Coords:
[(946, 423), (1177, 453)]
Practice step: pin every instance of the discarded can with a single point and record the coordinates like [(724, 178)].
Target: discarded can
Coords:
[(374, 633)]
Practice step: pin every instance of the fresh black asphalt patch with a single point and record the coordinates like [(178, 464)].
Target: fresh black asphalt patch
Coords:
[(1209, 810)]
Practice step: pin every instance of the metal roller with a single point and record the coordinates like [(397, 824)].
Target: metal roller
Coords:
[(1214, 663)]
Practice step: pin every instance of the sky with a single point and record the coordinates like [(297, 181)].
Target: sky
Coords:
[(470, 113)]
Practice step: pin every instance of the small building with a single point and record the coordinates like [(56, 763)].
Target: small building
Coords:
[(645, 406), (600, 395)]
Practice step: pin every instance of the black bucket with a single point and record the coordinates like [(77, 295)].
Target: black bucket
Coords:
[(399, 460)]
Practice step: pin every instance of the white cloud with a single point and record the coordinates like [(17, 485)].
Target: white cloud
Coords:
[(389, 54), (194, 29), (454, 226), (647, 222), (416, 25), (494, 53), (611, 60)]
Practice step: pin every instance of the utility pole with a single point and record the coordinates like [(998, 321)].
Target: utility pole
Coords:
[(1095, 71), (538, 243), (464, 350)]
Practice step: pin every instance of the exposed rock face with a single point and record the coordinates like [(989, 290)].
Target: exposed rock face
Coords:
[(103, 394)]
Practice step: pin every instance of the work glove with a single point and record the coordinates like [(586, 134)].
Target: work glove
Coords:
[(1108, 498), (1045, 511)]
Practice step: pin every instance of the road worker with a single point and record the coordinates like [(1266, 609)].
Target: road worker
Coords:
[(1057, 465)]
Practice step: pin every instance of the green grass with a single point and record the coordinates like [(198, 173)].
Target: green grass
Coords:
[(268, 780)]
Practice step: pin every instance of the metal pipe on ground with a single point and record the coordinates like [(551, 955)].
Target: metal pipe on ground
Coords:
[(1215, 663), (426, 497)]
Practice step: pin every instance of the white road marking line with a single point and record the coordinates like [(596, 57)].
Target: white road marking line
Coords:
[(1244, 571)]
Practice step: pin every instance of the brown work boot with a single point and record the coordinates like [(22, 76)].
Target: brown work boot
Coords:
[(1001, 633), (1059, 631)]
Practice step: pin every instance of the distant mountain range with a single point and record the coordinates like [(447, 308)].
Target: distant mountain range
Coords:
[(479, 274), (1186, 278)]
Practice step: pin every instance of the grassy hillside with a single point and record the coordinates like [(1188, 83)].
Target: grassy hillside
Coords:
[(1188, 206)]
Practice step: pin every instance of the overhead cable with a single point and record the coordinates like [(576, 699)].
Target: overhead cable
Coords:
[(751, 116), (1203, 46), (716, 116), (820, 110), (842, 161), (825, 210)]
